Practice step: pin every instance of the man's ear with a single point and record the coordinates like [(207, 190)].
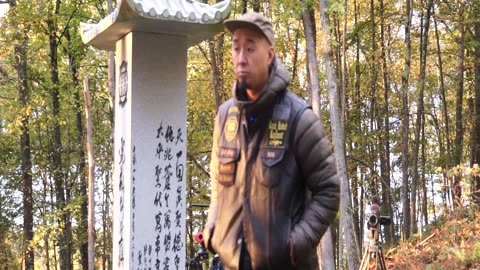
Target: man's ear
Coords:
[(271, 55)]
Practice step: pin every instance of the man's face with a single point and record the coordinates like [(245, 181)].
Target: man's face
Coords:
[(252, 56)]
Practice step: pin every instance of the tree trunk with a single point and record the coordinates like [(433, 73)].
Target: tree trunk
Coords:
[(106, 215), (295, 57), (385, 157), (447, 154), (91, 178), (64, 242), (345, 83), (424, 181), (215, 46), (458, 142), (459, 131), (215, 56), (338, 138), (476, 136), (312, 63), (46, 240), (405, 123), (358, 203), (46, 205), (420, 117), (244, 6), (256, 5), (326, 244), (26, 166), (73, 62), (106, 225)]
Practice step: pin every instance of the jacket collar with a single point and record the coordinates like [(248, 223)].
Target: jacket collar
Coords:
[(276, 85)]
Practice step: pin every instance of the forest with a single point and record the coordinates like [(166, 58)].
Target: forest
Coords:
[(397, 85)]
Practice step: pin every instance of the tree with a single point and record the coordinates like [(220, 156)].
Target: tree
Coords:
[(420, 117), (64, 242), (26, 167), (326, 244), (442, 148), (338, 137), (459, 129), (405, 124), (91, 177), (476, 136), (25, 147), (385, 137)]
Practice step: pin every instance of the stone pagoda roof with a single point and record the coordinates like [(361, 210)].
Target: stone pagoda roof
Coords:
[(197, 21)]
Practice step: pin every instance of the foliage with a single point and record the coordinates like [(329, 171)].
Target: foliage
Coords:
[(455, 244)]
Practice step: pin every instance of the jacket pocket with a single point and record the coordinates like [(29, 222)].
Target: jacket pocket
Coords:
[(271, 159), (227, 166)]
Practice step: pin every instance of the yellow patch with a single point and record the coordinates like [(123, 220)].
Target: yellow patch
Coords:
[(276, 133), (231, 128), (233, 109)]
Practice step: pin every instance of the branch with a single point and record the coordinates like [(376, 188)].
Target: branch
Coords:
[(194, 160), (204, 54), (7, 98), (66, 28), (373, 172), (426, 239)]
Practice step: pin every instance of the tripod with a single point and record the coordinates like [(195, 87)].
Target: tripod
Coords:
[(373, 253)]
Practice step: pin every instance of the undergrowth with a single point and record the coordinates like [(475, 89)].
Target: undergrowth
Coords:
[(454, 244)]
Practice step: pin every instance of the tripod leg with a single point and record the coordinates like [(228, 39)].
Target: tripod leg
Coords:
[(382, 260), (364, 263)]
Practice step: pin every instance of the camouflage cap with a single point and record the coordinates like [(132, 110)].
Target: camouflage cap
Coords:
[(254, 21)]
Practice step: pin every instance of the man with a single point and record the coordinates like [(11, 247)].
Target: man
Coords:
[(274, 184)]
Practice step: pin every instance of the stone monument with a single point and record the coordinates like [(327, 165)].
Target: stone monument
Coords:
[(150, 39)]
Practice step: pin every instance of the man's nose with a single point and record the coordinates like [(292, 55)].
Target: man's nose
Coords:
[(241, 57)]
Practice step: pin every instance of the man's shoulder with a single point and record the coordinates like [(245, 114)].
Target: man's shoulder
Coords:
[(225, 107), (227, 104), (296, 100)]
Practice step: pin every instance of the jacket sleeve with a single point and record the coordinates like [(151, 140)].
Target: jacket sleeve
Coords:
[(212, 210), (318, 169)]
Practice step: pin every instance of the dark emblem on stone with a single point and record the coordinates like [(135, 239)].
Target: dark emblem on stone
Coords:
[(123, 84)]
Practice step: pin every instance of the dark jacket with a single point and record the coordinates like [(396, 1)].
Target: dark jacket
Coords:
[(274, 182)]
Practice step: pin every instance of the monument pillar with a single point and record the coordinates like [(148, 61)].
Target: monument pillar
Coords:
[(151, 39), (150, 152)]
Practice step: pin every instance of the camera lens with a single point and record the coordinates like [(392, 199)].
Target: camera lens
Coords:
[(373, 220)]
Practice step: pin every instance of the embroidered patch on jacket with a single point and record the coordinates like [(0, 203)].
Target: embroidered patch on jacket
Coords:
[(233, 109), (276, 133), (227, 153), (231, 128)]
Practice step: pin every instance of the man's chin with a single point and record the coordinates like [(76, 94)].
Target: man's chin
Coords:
[(243, 85)]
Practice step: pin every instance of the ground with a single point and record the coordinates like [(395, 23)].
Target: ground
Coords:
[(452, 243)]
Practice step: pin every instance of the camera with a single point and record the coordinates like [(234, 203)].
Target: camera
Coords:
[(373, 220)]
